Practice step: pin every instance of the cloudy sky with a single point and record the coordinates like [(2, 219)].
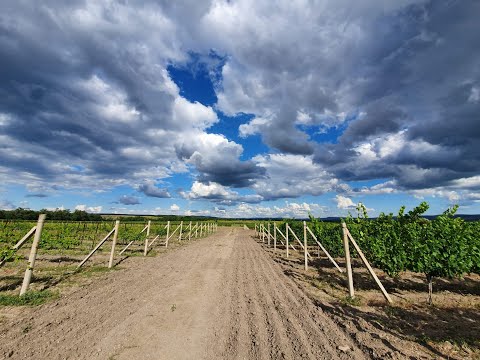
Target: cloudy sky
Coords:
[(239, 108)]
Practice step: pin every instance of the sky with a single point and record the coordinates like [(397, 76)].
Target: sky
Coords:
[(240, 108)]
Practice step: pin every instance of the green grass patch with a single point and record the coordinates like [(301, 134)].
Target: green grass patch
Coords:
[(97, 269), (355, 301), (31, 298)]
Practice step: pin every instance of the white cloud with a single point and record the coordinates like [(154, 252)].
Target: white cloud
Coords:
[(90, 209), (344, 202), (174, 207), (293, 176)]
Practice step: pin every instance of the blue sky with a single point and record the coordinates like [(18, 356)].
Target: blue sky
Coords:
[(240, 108)]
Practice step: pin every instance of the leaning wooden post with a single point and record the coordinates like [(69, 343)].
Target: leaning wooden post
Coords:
[(114, 242), (181, 228), (348, 264), (196, 230), (370, 269), (33, 255), (305, 244), (274, 237), (201, 229), (286, 233), (145, 251)]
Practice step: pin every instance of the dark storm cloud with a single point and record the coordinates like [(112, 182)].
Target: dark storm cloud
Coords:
[(381, 118), (239, 175), (217, 160), (424, 81)]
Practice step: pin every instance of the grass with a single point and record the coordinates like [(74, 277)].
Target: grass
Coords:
[(352, 301), (31, 298)]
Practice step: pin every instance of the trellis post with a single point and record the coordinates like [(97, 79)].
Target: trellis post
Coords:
[(33, 255), (274, 237), (145, 251), (268, 234), (286, 233), (168, 233), (114, 242), (348, 264), (305, 244)]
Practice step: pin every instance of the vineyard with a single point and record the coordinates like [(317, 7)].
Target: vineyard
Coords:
[(445, 247), (63, 246)]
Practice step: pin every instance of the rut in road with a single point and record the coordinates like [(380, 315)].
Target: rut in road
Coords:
[(222, 297), (268, 316)]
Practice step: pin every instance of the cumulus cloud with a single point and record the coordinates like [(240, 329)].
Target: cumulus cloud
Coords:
[(217, 160), (129, 200), (290, 176), (174, 207), (288, 210), (219, 194), (344, 202), (150, 189), (90, 209)]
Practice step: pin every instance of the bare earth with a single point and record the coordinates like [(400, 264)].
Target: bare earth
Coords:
[(222, 297)]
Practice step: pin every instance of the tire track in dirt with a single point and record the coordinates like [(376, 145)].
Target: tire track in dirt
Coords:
[(299, 313), (312, 317), (282, 323)]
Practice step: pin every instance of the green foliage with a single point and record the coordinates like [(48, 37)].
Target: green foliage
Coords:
[(8, 254), (442, 247), (446, 246), (31, 298)]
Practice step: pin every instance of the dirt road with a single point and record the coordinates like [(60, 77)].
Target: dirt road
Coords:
[(222, 297)]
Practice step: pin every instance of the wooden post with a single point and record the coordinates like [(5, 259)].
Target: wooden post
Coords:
[(201, 229), (305, 244), (196, 229), (114, 242), (181, 229), (348, 264), (370, 269), (268, 234), (33, 255), (190, 231), (146, 239), (274, 237), (168, 233), (286, 233), (255, 230)]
